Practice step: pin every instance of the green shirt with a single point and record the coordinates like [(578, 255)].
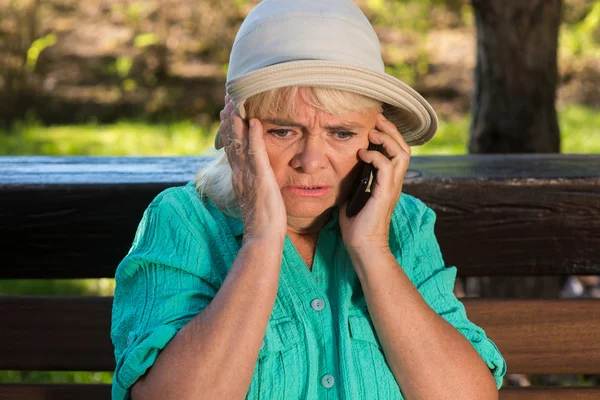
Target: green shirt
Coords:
[(320, 342)]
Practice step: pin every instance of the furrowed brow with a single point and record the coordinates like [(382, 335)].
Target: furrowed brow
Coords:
[(345, 126), (338, 127), (282, 122)]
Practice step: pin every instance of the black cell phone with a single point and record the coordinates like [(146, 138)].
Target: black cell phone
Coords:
[(361, 189)]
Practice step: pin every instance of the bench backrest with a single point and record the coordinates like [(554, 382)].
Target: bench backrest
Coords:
[(530, 215)]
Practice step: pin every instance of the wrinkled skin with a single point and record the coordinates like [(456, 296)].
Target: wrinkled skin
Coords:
[(268, 158)]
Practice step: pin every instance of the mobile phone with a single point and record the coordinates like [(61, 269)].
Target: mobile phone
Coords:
[(361, 189)]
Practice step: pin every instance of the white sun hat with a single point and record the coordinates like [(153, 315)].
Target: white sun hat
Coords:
[(321, 43)]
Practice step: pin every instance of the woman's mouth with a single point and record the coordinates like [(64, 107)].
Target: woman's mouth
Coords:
[(308, 191)]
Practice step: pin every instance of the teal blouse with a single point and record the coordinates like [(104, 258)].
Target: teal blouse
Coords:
[(320, 342)]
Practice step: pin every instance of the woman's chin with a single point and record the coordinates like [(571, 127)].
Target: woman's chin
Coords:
[(307, 207)]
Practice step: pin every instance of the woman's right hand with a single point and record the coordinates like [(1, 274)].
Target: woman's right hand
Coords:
[(254, 183)]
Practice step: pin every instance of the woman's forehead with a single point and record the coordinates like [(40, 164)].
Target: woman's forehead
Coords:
[(310, 117)]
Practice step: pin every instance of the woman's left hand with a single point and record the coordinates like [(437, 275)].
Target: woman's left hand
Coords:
[(368, 230)]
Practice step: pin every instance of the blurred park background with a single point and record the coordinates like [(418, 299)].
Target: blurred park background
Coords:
[(124, 77)]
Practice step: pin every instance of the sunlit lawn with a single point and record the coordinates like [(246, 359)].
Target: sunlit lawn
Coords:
[(119, 139), (579, 134), (579, 125)]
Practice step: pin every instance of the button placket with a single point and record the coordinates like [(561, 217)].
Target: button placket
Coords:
[(314, 295)]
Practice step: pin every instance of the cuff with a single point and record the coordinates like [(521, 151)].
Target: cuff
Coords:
[(138, 357), (490, 354)]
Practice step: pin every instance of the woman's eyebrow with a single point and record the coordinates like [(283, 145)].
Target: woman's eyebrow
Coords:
[(338, 127)]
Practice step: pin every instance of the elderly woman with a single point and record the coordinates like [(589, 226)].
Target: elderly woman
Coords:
[(253, 282)]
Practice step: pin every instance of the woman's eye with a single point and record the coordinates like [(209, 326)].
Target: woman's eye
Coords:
[(284, 133), (345, 135), (281, 133)]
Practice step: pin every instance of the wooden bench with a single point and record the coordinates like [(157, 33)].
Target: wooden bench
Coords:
[(529, 215)]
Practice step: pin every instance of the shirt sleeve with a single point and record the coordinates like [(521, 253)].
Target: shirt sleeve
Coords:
[(161, 284), (435, 282)]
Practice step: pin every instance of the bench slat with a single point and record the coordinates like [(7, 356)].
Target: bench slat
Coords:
[(75, 217), (102, 392), (56, 333), (535, 336), (542, 336)]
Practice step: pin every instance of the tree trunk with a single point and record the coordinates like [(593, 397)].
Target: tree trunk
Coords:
[(515, 77), (513, 107)]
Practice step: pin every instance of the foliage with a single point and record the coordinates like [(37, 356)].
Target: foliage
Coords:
[(582, 38), (37, 47)]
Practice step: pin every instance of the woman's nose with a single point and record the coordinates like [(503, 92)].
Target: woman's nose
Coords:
[(310, 157)]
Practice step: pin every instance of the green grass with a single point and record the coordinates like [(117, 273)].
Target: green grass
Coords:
[(55, 377), (579, 133), (118, 139), (579, 126), (451, 138), (57, 287), (580, 129)]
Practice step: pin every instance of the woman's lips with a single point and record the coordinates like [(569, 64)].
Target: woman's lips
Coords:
[(305, 191)]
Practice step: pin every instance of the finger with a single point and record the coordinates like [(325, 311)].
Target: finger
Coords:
[(239, 130), (388, 127), (225, 128), (404, 145), (389, 143), (381, 163), (235, 131), (257, 150)]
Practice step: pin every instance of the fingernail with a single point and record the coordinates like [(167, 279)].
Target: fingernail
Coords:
[(252, 123), (383, 117)]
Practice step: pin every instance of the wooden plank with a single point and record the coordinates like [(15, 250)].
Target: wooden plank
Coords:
[(550, 393), (542, 336), (56, 333), (23, 391), (102, 392), (520, 215), (534, 336), (35, 171)]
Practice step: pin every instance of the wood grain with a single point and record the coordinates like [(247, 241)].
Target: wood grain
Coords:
[(519, 215), (534, 336)]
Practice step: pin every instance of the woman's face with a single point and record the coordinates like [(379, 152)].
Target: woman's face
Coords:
[(315, 149)]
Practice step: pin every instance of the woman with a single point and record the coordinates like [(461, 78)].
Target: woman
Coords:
[(252, 282)]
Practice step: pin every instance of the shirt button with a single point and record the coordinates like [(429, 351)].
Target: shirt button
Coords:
[(327, 381), (317, 304)]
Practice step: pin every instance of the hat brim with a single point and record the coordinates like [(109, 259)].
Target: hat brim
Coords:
[(403, 106)]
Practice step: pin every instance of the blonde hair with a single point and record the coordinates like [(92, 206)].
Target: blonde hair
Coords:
[(214, 180)]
